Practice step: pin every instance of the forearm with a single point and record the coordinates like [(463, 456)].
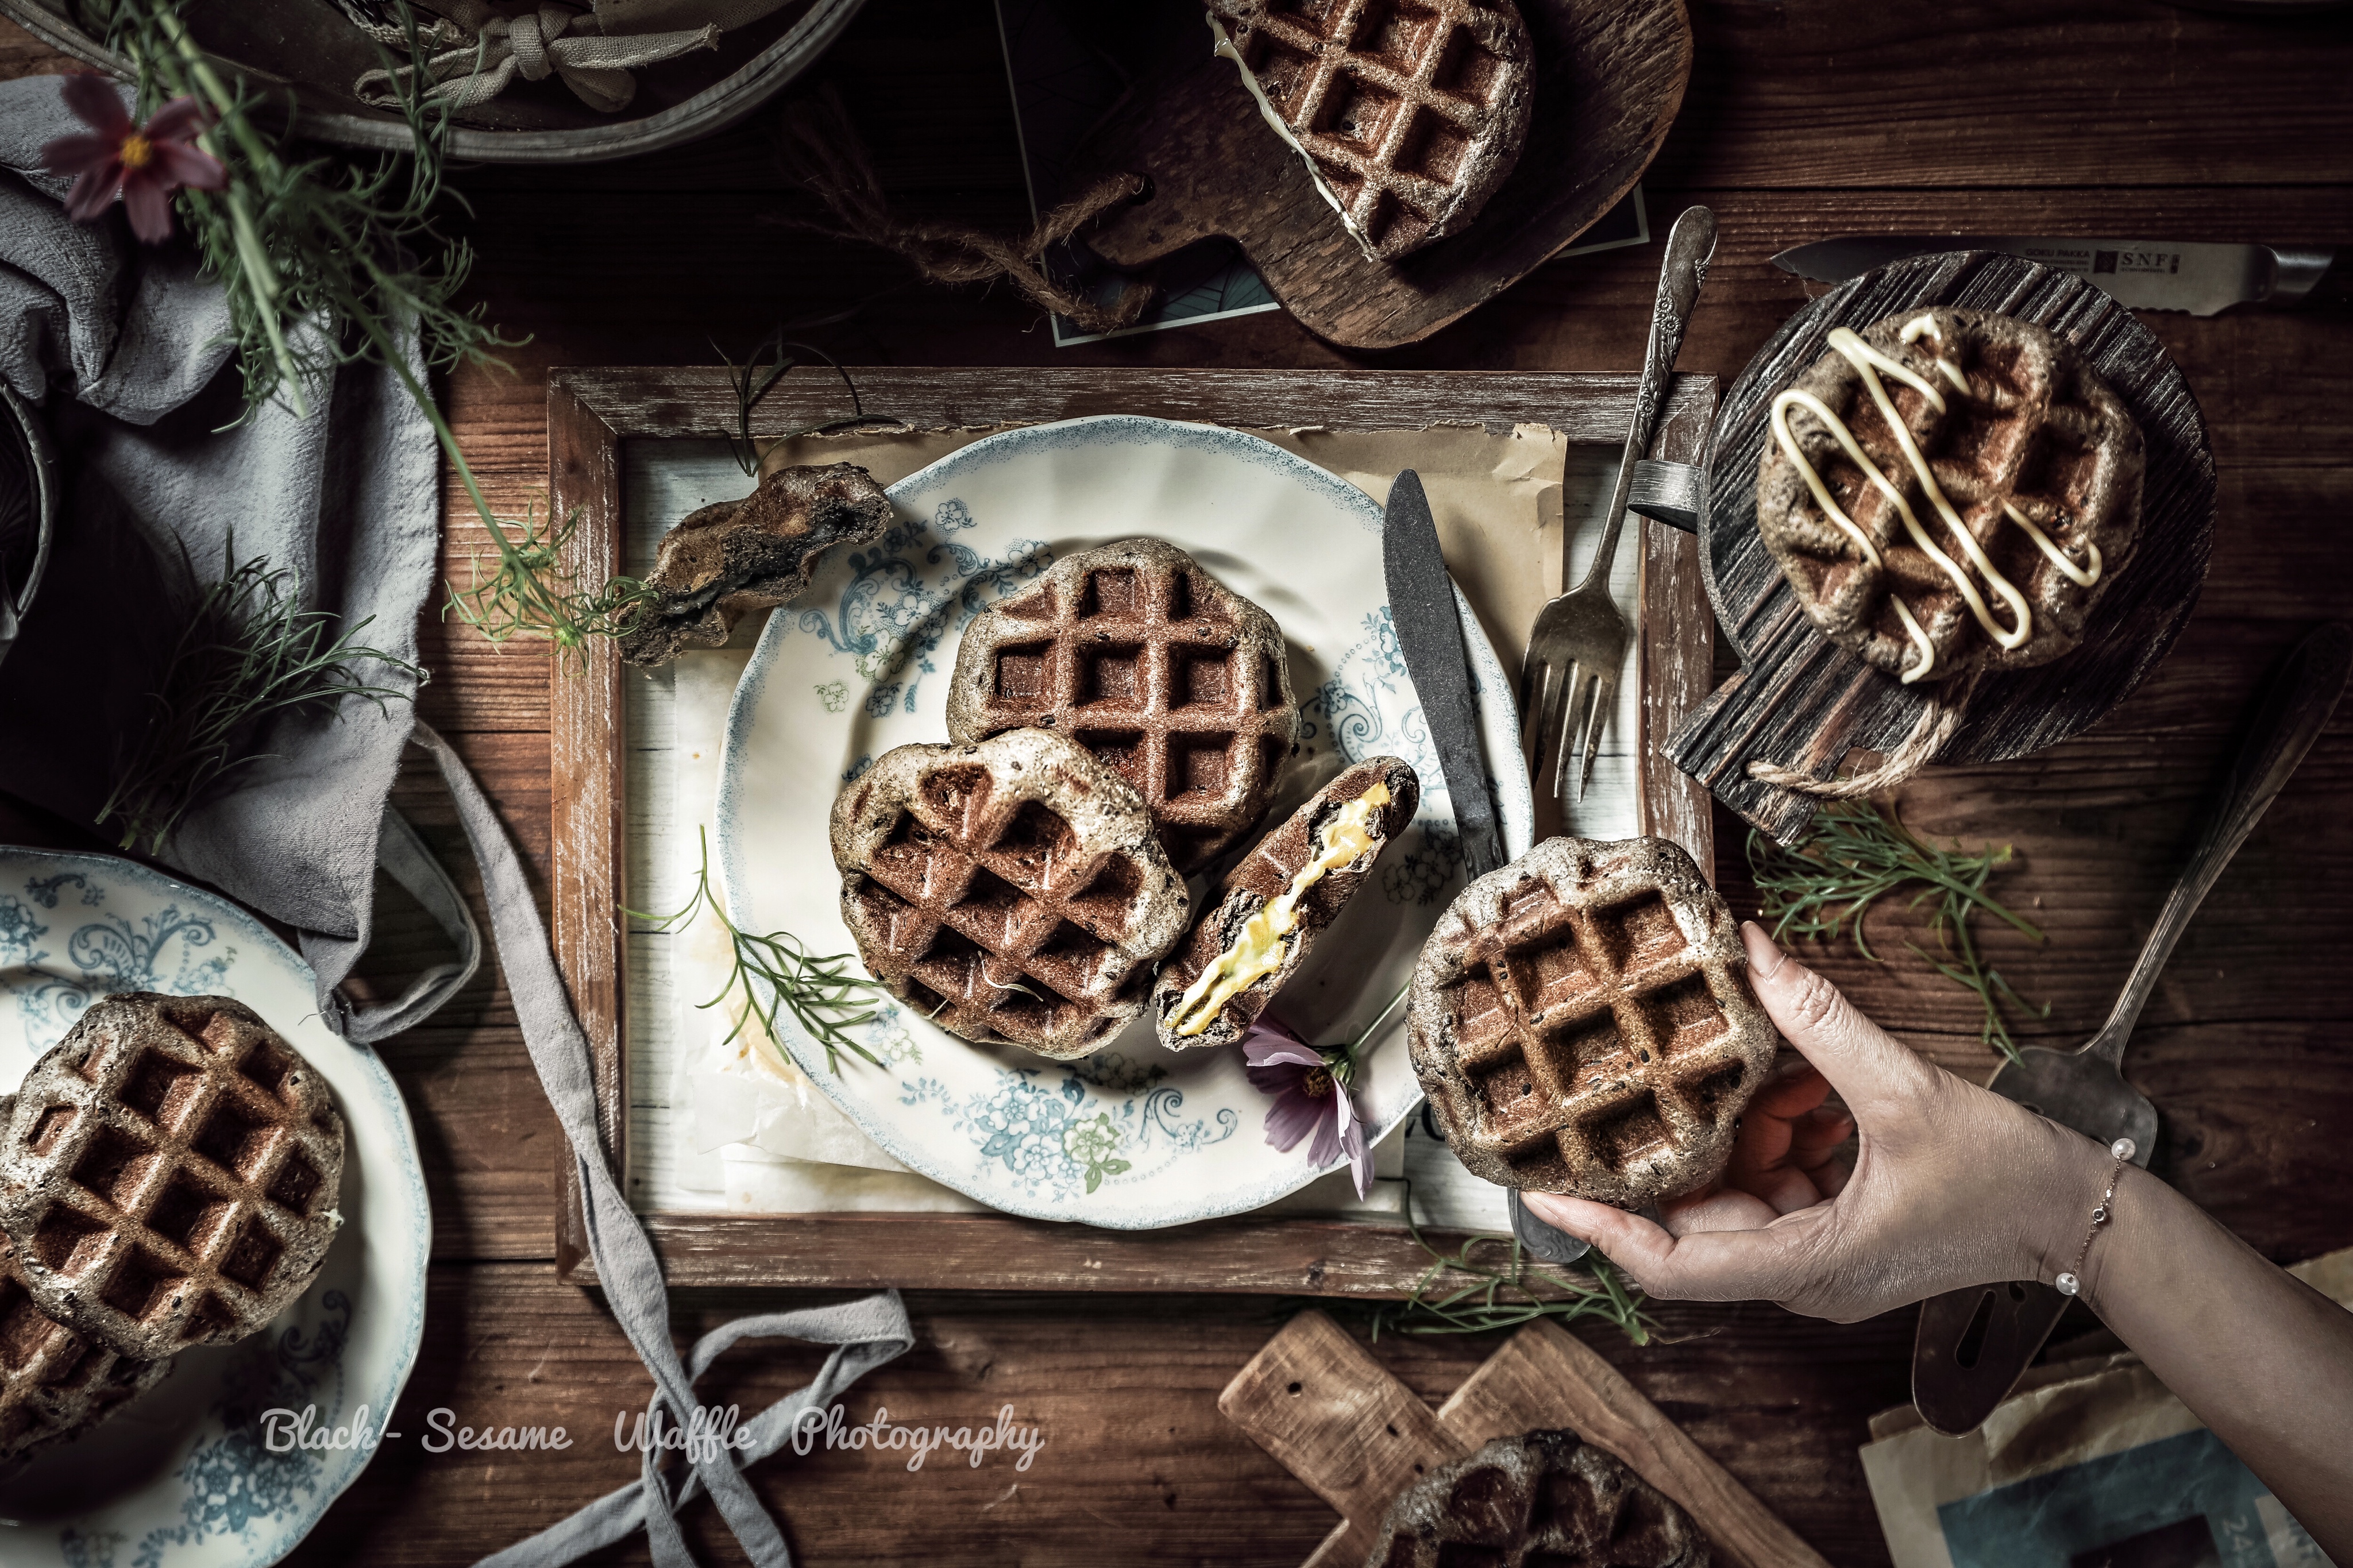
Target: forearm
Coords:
[(2264, 1360)]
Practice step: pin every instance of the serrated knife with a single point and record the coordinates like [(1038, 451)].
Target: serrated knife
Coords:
[(1437, 661), (2146, 274)]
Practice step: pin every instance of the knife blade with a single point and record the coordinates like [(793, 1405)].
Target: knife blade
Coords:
[(1429, 632), (2146, 274)]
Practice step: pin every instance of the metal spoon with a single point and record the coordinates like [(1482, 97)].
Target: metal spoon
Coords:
[(2086, 1088)]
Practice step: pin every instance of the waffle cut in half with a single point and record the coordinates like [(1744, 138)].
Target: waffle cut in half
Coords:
[(1950, 490), (1410, 113), (1271, 908), (1008, 891), (1174, 681), (55, 1384), (1582, 1023), (1545, 1500), (169, 1174)]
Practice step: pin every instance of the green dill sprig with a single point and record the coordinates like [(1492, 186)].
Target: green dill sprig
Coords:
[(821, 993), (249, 651), (1460, 1293), (532, 594), (1853, 856)]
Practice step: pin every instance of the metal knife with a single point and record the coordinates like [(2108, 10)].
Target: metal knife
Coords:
[(1430, 631), (2146, 274)]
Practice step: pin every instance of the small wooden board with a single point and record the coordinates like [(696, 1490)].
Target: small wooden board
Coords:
[(1609, 75), (1804, 702), (1316, 1400)]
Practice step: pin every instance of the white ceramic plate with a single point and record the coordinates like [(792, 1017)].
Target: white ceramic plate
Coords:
[(181, 1477), (1134, 1136)]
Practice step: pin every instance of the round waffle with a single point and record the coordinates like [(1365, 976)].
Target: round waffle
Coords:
[(1409, 116), (1547, 1500), (1011, 890), (169, 1174), (54, 1383), (1951, 489), (1173, 679), (1340, 843), (1582, 1023)]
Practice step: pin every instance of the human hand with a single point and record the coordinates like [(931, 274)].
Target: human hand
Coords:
[(1952, 1184)]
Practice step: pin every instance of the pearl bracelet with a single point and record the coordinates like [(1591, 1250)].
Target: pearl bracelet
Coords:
[(2069, 1281)]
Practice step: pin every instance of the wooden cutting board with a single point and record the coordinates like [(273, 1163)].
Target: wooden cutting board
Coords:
[(1335, 1418), (1609, 75)]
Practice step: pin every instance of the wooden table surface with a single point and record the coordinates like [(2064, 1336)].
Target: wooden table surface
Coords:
[(1804, 120)]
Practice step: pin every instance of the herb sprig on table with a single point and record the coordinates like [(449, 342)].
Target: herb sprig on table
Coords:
[(249, 651), (776, 975), (1854, 856), (531, 594)]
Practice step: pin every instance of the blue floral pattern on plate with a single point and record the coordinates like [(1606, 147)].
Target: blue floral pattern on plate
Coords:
[(199, 1488)]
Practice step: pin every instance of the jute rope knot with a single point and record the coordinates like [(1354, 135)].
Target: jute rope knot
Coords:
[(484, 51), (1939, 723)]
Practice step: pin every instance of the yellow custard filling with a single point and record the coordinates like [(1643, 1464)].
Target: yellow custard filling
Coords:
[(1262, 944)]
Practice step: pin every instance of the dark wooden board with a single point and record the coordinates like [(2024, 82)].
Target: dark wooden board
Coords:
[(592, 412), (1609, 75), (1801, 701)]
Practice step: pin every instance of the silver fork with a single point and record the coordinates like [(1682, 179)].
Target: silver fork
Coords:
[(1569, 680)]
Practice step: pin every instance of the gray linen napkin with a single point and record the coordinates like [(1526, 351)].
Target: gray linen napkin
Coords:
[(123, 343)]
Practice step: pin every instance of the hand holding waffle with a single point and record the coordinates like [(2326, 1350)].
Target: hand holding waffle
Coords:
[(1953, 1184)]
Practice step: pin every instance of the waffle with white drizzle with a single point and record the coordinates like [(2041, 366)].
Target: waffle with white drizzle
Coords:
[(1979, 524), (1582, 1023), (1011, 889), (1409, 116), (1172, 679), (1544, 1499), (169, 1174)]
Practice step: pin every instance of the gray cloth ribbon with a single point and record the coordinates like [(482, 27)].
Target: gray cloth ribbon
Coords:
[(121, 343), (494, 49), (870, 1331)]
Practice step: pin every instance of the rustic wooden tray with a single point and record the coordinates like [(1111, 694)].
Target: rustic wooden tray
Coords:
[(1609, 75), (590, 414)]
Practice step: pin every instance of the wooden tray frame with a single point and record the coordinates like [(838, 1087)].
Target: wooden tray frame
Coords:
[(590, 413)]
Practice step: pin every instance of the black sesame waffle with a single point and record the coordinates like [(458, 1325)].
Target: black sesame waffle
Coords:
[(1547, 1500), (1011, 890), (54, 1383), (169, 1174), (1582, 1023), (1411, 115), (1178, 682)]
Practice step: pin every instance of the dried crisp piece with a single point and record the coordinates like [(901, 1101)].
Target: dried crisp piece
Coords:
[(735, 557), (1410, 113), (1332, 841), (1976, 528), (169, 1174), (1171, 678), (1582, 1023), (1008, 891), (1544, 1499)]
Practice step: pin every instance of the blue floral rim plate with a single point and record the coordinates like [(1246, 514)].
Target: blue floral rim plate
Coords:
[(183, 1476), (1134, 1136)]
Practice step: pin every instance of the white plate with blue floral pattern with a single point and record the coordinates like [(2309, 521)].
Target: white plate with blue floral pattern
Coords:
[(183, 1476), (1134, 1136)]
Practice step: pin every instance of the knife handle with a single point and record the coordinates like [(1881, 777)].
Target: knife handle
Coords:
[(2303, 278)]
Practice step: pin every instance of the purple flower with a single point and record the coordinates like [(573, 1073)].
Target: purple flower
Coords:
[(143, 164), (1307, 1099)]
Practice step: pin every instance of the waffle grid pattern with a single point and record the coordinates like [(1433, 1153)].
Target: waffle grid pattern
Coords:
[(984, 911), (168, 1184), (1162, 673), (54, 1383), (2031, 431), (1392, 98)]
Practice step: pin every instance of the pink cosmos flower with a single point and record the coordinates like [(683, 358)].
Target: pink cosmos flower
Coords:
[(1307, 1099), (143, 164)]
